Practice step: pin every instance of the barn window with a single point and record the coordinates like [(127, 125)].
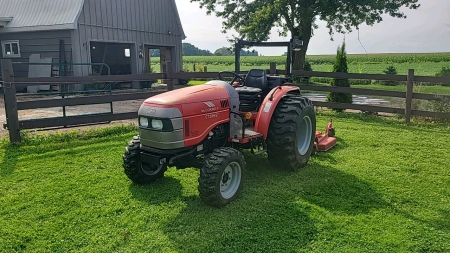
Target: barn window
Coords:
[(127, 52), (10, 48)]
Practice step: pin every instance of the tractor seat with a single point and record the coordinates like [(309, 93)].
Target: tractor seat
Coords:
[(257, 78), (251, 95), (246, 91)]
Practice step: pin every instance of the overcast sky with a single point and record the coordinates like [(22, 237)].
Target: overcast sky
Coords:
[(426, 29)]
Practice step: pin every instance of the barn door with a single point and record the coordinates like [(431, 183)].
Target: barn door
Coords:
[(166, 56)]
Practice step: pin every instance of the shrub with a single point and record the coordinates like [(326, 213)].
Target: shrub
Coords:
[(184, 81), (444, 72), (441, 104), (340, 65), (390, 70), (199, 67)]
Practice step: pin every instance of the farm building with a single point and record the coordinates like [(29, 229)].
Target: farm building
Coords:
[(119, 33)]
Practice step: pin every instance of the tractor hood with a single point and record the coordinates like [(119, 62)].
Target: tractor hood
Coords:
[(207, 98), (188, 95)]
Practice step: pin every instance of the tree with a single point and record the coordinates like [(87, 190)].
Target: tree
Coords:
[(254, 19), (191, 50), (154, 53), (249, 53), (223, 51), (340, 65)]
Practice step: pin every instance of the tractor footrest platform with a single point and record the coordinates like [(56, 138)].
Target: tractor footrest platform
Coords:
[(248, 135), (251, 134)]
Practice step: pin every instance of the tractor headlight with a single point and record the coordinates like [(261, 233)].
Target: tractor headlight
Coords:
[(143, 122), (157, 124)]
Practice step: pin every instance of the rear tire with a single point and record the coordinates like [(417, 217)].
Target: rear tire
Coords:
[(220, 180), (290, 140), (138, 172)]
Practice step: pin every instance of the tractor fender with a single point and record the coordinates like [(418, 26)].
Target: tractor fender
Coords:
[(268, 107)]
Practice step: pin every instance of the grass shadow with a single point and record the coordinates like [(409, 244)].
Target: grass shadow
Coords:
[(443, 221), (323, 186), (275, 205), (439, 222), (338, 192), (10, 159), (245, 225), (162, 191)]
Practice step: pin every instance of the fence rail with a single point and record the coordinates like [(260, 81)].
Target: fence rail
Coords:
[(12, 106), (74, 101)]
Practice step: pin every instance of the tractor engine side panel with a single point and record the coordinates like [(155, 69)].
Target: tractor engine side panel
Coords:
[(197, 126)]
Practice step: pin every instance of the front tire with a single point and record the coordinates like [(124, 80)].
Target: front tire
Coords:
[(220, 180), (290, 140), (137, 171)]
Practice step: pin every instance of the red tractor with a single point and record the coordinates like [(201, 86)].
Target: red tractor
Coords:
[(207, 126)]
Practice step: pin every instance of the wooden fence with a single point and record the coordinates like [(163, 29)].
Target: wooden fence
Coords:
[(12, 106)]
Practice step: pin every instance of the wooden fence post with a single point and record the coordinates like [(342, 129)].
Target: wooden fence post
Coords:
[(169, 72), (9, 92), (273, 68), (409, 92)]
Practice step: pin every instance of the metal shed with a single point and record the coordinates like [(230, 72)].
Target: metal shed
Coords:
[(118, 32)]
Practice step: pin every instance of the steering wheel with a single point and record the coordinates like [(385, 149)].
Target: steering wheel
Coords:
[(236, 77)]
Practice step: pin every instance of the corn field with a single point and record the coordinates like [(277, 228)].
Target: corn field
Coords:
[(427, 64)]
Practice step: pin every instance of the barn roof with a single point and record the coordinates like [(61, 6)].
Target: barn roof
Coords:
[(38, 15), (33, 15)]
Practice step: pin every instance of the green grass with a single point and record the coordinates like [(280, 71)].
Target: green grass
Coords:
[(383, 188)]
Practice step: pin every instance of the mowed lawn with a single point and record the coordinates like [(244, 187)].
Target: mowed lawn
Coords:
[(384, 188)]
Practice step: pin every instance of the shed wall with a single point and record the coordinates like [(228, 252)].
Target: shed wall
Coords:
[(140, 22), (45, 43)]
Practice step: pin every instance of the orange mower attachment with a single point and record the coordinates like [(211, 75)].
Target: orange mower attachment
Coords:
[(325, 141)]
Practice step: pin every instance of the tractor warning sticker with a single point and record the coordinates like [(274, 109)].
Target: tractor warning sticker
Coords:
[(267, 107)]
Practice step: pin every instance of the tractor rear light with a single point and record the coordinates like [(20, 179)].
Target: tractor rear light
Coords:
[(143, 122), (157, 124), (248, 115)]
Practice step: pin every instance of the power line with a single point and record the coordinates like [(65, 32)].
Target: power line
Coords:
[(361, 42)]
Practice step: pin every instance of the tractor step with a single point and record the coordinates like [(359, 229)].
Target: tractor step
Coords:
[(251, 134)]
